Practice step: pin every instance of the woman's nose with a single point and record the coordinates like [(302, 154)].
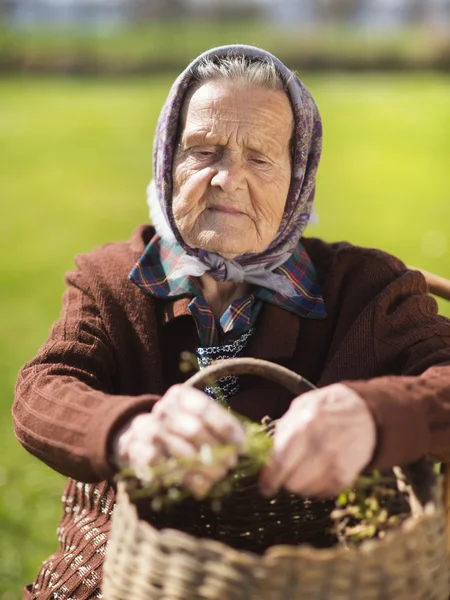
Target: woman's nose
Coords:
[(229, 175)]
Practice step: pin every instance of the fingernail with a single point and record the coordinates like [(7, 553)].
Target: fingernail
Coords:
[(187, 425), (266, 491), (265, 487), (238, 436)]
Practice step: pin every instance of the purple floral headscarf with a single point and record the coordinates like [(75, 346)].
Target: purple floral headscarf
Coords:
[(253, 268)]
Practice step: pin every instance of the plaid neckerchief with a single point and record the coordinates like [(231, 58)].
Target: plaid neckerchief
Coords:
[(236, 320), (152, 274)]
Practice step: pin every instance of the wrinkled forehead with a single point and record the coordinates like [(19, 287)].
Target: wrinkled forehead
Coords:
[(215, 98), (215, 107)]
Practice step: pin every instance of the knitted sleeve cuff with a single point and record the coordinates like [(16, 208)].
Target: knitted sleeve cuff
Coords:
[(401, 420), (107, 422)]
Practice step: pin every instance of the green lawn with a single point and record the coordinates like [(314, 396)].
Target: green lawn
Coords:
[(74, 162)]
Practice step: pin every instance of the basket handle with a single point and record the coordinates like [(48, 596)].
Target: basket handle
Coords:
[(292, 381), (418, 472)]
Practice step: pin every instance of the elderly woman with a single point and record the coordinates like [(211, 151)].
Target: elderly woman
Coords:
[(225, 272)]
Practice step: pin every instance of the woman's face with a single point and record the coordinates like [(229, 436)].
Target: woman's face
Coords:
[(232, 168)]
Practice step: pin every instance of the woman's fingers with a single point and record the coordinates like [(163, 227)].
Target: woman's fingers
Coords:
[(293, 443), (321, 444), (193, 414), (200, 482), (184, 423), (286, 456), (141, 453), (175, 446), (141, 456), (311, 479), (189, 427), (225, 427), (134, 442)]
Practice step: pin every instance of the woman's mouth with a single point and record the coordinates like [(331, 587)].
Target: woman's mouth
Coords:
[(225, 210)]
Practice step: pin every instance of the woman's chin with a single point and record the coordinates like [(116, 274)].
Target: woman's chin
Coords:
[(229, 245)]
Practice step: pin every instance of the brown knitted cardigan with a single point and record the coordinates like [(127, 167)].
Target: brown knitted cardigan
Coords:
[(115, 351)]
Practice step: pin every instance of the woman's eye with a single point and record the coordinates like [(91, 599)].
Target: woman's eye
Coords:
[(204, 153), (258, 161)]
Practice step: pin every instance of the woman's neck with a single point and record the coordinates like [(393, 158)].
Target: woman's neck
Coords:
[(220, 294)]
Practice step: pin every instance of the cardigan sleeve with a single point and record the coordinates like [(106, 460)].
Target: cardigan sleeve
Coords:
[(411, 344), (65, 407)]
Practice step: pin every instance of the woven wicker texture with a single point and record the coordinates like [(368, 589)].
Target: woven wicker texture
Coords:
[(265, 549), (249, 521), (144, 563)]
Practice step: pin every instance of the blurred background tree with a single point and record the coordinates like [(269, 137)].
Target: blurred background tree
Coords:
[(81, 85)]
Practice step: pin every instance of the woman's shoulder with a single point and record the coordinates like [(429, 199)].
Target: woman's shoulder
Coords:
[(343, 259), (109, 264), (122, 249), (358, 274)]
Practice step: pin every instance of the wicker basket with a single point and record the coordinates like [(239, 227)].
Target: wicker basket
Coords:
[(256, 555)]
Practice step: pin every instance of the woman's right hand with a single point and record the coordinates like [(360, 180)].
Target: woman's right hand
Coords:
[(184, 420)]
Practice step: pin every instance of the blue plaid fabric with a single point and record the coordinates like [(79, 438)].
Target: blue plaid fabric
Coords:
[(152, 273), (236, 320)]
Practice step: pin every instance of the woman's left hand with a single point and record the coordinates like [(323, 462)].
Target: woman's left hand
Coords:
[(321, 444)]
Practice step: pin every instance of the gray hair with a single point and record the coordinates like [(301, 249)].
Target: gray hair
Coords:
[(240, 68)]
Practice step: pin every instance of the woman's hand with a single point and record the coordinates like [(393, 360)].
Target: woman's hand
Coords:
[(183, 421), (321, 444)]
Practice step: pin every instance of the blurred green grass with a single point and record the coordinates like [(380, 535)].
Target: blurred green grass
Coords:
[(74, 163)]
